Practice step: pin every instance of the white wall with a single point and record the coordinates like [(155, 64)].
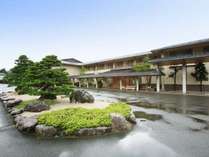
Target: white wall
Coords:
[(72, 70), (190, 79)]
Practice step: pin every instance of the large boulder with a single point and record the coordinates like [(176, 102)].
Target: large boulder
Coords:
[(81, 96), (93, 131), (36, 107), (132, 118), (26, 124), (45, 131), (119, 123)]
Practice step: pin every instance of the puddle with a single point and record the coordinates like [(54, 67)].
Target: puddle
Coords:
[(5, 128), (147, 116)]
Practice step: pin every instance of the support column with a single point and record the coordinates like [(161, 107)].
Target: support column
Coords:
[(113, 66), (184, 79), (96, 83), (72, 80), (121, 84), (134, 62), (158, 80), (95, 70), (137, 84), (158, 83), (87, 83), (162, 83), (79, 83)]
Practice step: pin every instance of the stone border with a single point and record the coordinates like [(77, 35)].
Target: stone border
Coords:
[(30, 124)]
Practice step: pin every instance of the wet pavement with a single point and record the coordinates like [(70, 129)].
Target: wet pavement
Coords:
[(168, 126)]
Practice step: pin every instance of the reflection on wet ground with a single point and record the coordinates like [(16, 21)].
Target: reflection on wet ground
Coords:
[(147, 116), (180, 122), (176, 127), (170, 103)]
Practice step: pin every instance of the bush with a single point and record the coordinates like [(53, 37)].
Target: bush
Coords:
[(122, 108), (74, 119)]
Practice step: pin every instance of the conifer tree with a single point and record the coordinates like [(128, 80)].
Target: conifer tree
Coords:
[(200, 73)]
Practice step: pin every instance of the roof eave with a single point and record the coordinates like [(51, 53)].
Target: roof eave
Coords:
[(182, 45)]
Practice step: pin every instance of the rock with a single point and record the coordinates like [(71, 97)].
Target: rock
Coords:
[(81, 96), (119, 123), (26, 124), (9, 110), (45, 131), (16, 111), (103, 130), (12, 103), (7, 98), (93, 131), (2, 95), (132, 118), (86, 132), (36, 107)]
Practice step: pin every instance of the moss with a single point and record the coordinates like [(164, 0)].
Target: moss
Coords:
[(74, 119), (23, 104)]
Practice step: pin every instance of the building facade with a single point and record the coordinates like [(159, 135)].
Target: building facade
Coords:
[(171, 69)]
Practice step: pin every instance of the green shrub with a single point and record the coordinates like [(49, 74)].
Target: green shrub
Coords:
[(144, 66), (23, 104), (122, 108), (74, 119)]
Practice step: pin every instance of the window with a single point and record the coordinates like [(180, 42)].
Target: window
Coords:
[(186, 52), (206, 50)]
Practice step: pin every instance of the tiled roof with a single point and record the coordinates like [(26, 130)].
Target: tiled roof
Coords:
[(177, 58), (191, 43), (71, 61), (140, 54)]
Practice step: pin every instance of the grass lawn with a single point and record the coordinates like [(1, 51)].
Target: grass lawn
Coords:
[(74, 119), (23, 104)]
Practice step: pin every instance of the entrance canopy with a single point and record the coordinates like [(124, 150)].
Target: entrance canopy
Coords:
[(120, 73)]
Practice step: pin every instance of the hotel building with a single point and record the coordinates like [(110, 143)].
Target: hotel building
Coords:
[(170, 71)]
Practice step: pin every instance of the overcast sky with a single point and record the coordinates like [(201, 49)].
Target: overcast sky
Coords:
[(96, 29)]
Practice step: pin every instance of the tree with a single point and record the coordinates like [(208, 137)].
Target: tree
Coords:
[(15, 75), (173, 75), (3, 71), (47, 79), (144, 66), (200, 73)]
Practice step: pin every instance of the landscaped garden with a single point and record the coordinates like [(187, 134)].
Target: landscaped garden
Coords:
[(46, 103), (74, 119)]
